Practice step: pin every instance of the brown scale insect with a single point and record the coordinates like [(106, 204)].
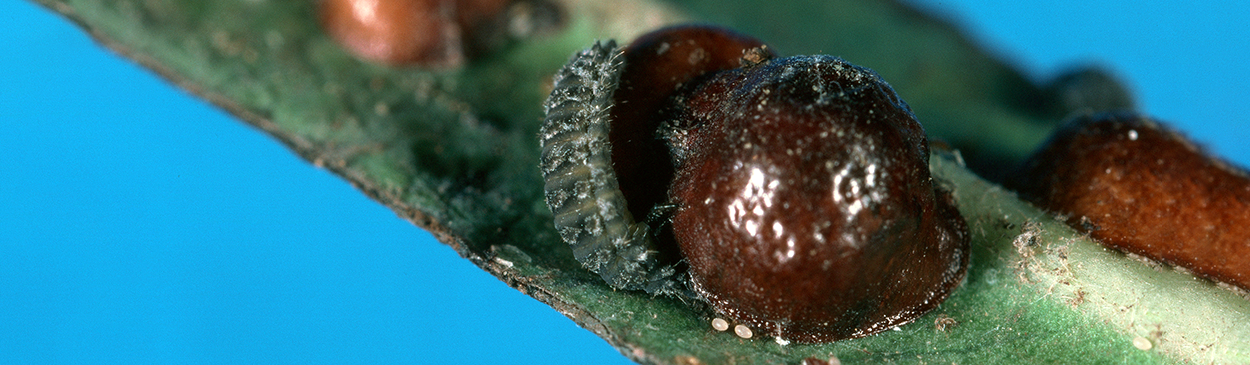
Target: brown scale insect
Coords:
[(807, 209), (1136, 186), (799, 190), (427, 33)]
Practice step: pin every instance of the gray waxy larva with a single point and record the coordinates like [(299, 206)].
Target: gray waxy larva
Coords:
[(581, 186)]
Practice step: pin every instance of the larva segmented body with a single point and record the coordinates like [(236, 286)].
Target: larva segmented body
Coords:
[(581, 186)]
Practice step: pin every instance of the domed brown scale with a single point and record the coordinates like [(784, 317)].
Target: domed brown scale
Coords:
[(600, 148), (1135, 186), (806, 206)]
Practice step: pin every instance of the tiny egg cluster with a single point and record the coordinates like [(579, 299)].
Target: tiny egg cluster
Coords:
[(721, 325)]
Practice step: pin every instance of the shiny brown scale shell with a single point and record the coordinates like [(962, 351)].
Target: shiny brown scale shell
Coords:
[(1138, 187), (807, 210), (656, 66)]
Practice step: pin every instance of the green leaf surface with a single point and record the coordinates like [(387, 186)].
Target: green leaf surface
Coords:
[(455, 152)]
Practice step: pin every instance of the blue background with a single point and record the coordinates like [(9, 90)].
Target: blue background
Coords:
[(141, 225)]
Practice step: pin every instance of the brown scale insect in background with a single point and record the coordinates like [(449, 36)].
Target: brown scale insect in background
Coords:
[(1136, 186), (431, 33)]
